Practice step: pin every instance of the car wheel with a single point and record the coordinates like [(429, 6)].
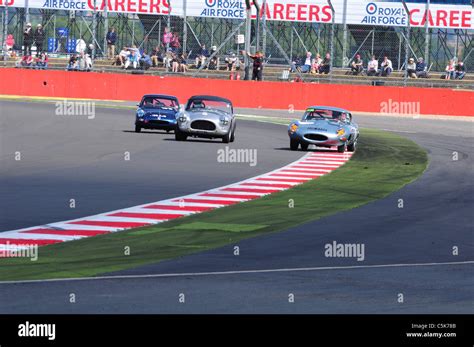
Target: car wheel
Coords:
[(232, 136), (341, 149), (352, 147), (227, 137), (294, 144), (180, 136), (304, 146), (138, 128)]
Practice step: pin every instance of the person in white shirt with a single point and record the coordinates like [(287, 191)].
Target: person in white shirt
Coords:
[(373, 67), (386, 67), (307, 63)]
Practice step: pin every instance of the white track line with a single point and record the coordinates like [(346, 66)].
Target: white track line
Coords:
[(242, 272)]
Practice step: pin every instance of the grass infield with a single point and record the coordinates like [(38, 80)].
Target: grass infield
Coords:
[(383, 163)]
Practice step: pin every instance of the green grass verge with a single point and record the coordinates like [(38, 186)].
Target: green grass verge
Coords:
[(383, 163)]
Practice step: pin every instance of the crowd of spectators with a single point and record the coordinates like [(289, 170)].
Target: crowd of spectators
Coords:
[(312, 65)]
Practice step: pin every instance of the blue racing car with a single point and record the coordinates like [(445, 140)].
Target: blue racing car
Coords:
[(157, 112)]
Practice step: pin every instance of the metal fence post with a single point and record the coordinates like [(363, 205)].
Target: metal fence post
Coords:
[(407, 41), (331, 44), (94, 30), (105, 49), (248, 30), (264, 26), (5, 28), (427, 34), (185, 26), (344, 36)]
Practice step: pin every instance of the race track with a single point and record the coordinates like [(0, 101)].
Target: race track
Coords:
[(86, 161)]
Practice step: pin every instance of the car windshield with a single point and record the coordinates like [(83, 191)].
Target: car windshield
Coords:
[(314, 114), (159, 102), (202, 104)]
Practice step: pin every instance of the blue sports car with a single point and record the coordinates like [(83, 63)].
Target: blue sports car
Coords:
[(157, 112), (324, 126)]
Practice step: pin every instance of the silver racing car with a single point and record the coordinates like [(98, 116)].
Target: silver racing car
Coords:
[(208, 117), (324, 126)]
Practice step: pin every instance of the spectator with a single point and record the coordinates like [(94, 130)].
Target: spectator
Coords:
[(168, 60), (39, 39), (136, 50), (145, 61), (167, 36), (357, 65), (386, 67), (85, 62), (156, 56), (132, 60), (459, 70), (214, 61), (258, 60), (307, 63), (27, 39), (73, 63), (111, 39), (316, 63), (122, 57), (325, 66), (421, 68), (25, 61), (450, 70), (183, 64), (175, 44), (231, 62), (411, 68), (201, 57), (373, 67), (42, 61), (8, 47)]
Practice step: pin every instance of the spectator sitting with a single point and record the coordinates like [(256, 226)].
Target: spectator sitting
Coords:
[(450, 70), (136, 50), (325, 66), (373, 67), (386, 67), (132, 60), (10, 42), (122, 57), (459, 70), (307, 63), (357, 65), (231, 62), (156, 56), (85, 62), (73, 63), (421, 68), (316, 63), (214, 62), (183, 64), (145, 61), (411, 68), (201, 57), (25, 61), (42, 62)]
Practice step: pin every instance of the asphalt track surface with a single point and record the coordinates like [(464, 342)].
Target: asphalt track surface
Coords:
[(83, 159)]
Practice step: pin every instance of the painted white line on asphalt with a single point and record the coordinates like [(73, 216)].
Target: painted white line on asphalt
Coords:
[(242, 272)]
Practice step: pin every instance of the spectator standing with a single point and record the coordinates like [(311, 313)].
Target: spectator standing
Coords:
[(326, 64), (27, 39), (201, 57), (411, 68), (386, 67), (459, 70), (167, 36), (421, 68), (111, 38), (450, 70), (81, 46), (307, 63), (258, 60), (175, 43), (357, 65), (39, 39), (373, 66)]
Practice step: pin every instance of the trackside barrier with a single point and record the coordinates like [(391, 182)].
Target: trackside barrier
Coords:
[(271, 95)]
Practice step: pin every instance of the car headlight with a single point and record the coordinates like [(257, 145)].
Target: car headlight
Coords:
[(340, 132), (182, 119), (140, 113), (224, 121), (293, 128)]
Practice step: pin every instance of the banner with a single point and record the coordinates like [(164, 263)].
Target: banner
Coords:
[(457, 15)]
